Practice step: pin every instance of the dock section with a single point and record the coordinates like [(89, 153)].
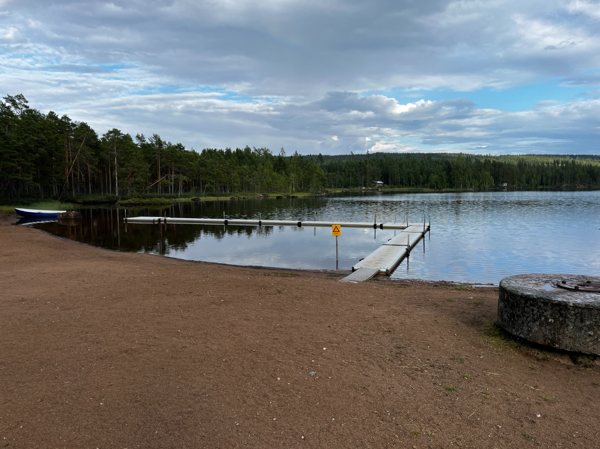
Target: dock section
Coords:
[(259, 222), (385, 259)]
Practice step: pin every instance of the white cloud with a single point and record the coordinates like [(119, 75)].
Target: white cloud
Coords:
[(9, 33), (300, 74), (591, 9)]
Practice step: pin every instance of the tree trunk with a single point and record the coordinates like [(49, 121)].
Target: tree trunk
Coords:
[(116, 173)]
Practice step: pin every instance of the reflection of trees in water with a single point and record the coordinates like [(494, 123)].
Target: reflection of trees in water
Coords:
[(104, 227)]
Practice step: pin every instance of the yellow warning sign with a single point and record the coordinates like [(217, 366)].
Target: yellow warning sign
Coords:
[(336, 230)]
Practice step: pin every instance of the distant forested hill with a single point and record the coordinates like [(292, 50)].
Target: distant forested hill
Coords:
[(45, 155), (443, 170)]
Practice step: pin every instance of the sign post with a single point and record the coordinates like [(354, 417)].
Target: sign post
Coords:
[(336, 230)]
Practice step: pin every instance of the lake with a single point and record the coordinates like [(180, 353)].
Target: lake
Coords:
[(489, 236)]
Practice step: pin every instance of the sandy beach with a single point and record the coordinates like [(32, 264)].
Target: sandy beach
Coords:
[(100, 349)]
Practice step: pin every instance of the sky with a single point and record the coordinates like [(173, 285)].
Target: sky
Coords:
[(327, 76)]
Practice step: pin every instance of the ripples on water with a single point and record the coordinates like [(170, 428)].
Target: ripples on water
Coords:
[(483, 239)]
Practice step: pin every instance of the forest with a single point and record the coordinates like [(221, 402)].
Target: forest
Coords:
[(52, 156)]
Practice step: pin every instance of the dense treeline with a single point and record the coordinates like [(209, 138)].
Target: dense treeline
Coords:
[(441, 171), (53, 155), (50, 156)]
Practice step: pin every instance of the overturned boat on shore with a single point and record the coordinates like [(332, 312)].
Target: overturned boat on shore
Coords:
[(38, 213)]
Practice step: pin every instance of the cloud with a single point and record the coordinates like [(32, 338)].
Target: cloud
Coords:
[(8, 34), (310, 75), (75, 68), (296, 47), (201, 120)]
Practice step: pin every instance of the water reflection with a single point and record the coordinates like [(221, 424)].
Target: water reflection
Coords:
[(483, 239)]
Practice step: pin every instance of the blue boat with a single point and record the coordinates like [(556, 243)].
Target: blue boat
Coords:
[(37, 213)]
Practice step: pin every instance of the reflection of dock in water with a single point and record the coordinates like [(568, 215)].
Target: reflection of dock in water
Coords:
[(383, 260)]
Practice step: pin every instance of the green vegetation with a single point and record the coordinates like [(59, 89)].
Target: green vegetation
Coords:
[(451, 389), (145, 202), (47, 156), (459, 171), (43, 205), (499, 337), (51, 156)]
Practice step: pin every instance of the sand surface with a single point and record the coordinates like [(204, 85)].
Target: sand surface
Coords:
[(100, 349)]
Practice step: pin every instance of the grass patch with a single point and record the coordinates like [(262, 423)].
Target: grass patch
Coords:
[(145, 202), (95, 199), (450, 300), (401, 346), (42, 205), (529, 437), (463, 287), (416, 433), (52, 205), (451, 389), (458, 359), (499, 337)]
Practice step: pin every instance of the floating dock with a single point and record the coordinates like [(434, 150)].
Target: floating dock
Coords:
[(383, 260), (259, 222)]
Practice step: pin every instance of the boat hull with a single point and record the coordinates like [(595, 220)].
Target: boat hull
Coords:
[(37, 213)]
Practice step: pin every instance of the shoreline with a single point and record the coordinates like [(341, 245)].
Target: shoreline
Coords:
[(113, 349), (162, 202), (338, 273)]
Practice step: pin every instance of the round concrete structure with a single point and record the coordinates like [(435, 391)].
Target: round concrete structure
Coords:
[(534, 307)]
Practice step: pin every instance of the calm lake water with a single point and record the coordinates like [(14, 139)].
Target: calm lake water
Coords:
[(483, 239)]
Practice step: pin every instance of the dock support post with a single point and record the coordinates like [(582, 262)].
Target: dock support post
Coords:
[(336, 252)]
